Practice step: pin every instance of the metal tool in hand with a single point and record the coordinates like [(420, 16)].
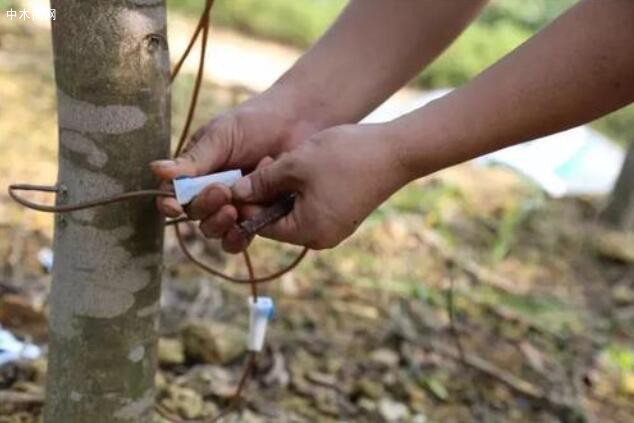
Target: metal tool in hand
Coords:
[(186, 188)]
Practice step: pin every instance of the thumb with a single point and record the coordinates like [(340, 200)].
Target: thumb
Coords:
[(268, 182), (207, 153)]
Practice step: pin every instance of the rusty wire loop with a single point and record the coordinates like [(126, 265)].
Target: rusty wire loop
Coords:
[(202, 28), (78, 206)]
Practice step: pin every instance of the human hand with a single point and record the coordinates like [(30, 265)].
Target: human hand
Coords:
[(237, 139), (339, 176)]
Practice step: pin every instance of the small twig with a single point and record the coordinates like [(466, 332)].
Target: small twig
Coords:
[(566, 410), (477, 273), (508, 314), (451, 311), (480, 410)]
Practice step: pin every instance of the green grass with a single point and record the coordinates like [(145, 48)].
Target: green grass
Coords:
[(428, 198), (544, 311), (296, 22), (621, 358), (509, 224)]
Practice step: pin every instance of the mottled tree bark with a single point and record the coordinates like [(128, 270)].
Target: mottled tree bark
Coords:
[(112, 73), (619, 212)]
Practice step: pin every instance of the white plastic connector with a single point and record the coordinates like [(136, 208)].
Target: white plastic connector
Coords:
[(260, 313), (187, 188)]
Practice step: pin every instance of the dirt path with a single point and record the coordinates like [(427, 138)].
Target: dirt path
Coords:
[(232, 57), (237, 59)]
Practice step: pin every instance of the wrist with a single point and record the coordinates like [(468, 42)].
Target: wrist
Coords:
[(424, 141), (385, 157), (402, 139)]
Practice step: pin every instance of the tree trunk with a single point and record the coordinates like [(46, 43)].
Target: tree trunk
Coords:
[(112, 74), (619, 212)]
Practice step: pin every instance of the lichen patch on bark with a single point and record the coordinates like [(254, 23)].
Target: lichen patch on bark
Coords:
[(124, 273), (78, 143), (146, 2), (82, 116), (137, 354)]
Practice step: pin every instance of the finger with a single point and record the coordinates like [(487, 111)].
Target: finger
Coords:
[(268, 182), (266, 161), (286, 229), (247, 211), (218, 224), (205, 155), (209, 201), (234, 242), (168, 206)]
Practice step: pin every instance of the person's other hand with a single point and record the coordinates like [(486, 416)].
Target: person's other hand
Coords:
[(239, 138), (339, 175)]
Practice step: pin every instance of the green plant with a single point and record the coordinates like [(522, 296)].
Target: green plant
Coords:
[(296, 22), (530, 15), (547, 312), (618, 125), (512, 218), (621, 358)]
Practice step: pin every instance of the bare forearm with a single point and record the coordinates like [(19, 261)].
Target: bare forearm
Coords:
[(577, 69), (373, 49)]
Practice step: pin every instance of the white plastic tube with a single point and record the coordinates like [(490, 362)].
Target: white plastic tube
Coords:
[(260, 313), (187, 188)]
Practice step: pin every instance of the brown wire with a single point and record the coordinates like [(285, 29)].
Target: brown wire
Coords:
[(237, 397), (199, 77), (233, 279), (78, 206), (192, 41), (233, 404)]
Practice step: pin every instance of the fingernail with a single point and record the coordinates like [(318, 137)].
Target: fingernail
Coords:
[(163, 163), (243, 188), (172, 209)]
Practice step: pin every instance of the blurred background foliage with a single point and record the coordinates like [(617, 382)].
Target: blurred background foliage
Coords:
[(503, 25)]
